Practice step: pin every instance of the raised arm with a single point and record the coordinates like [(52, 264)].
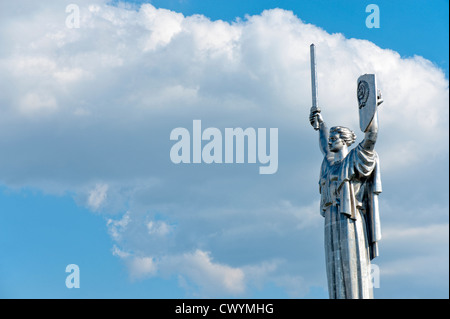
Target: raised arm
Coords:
[(323, 132), (371, 134)]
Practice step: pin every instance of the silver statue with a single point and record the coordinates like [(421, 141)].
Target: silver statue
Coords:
[(349, 186)]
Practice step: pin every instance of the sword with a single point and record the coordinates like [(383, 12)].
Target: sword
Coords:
[(314, 108)]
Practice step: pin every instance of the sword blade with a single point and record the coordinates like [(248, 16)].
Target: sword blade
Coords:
[(313, 75), (315, 107)]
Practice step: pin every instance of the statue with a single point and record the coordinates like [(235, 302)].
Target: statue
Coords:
[(349, 185)]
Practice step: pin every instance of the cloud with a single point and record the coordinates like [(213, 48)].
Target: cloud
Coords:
[(89, 112), (415, 257), (139, 267), (117, 227), (158, 228), (212, 278), (97, 196), (420, 244), (192, 268), (432, 233)]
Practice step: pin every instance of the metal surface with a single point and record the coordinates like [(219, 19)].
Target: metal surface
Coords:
[(349, 186), (369, 98), (314, 91)]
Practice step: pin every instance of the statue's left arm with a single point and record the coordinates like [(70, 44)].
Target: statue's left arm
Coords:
[(371, 134), (368, 166)]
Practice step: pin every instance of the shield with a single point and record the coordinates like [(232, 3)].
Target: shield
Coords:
[(368, 100)]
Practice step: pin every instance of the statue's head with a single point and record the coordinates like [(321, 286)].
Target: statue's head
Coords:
[(340, 137)]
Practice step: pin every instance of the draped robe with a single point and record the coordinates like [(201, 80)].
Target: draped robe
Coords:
[(349, 202)]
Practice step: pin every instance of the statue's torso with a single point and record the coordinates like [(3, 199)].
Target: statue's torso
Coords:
[(329, 184), (331, 181)]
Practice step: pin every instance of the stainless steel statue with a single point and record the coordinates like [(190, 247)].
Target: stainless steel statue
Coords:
[(349, 186)]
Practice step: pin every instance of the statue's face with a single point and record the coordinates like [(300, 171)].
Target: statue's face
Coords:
[(335, 143)]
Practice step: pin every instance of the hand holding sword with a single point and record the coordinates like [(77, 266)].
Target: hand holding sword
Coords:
[(315, 118)]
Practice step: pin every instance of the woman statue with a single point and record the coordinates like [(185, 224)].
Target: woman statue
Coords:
[(349, 187)]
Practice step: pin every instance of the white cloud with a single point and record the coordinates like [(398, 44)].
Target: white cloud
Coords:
[(421, 245), (306, 215), (98, 103), (139, 267), (163, 26), (211, 277), (117, 227), (97, 196), (116, 251), (158, 228), (195, 268), (434, 233), (142, 267)]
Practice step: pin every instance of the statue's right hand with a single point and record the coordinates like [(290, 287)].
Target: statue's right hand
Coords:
[(315, 114)]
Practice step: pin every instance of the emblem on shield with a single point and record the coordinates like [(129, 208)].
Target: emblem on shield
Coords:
[(367, 95), (363, 93)]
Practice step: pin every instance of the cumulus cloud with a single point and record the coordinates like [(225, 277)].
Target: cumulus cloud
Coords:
[(89, 111)]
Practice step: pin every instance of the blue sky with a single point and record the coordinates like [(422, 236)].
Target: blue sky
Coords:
[(85, 173), (408, 27)]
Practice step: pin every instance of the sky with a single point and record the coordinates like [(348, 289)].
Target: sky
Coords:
[(86, 114)]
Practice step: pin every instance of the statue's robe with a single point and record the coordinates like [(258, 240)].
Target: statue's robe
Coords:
[(349, 202)]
